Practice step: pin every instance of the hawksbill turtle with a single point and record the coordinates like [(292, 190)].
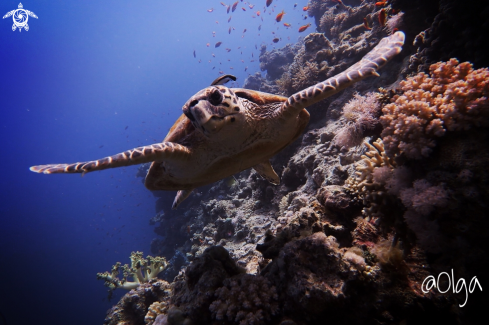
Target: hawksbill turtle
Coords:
[(20, 17), (224, 131)]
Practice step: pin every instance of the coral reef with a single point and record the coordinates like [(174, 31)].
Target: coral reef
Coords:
[(352, 231), (133, 307), (454, 97), (142, 270)]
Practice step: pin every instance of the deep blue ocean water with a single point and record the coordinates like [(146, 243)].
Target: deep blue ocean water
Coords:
[(91, 79)]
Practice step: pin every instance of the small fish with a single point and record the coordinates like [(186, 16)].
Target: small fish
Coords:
[(234, 6), (243, 8), (365, 24), (200, 60), (210, 10), (229, 19), (380, 3), (276, 39), (126, 127), (242, 61), (306, 8), (213, 55), (218, 44), (228, 8), (246, 68), (251, 6), (225, 5), (208, 44), (194, 54), (303, 28), (287, 25), (259, 27), (229, 30), (258, 13), (295, 5), (217, 22), (269, 2), (229, 50), (382, 17), (280, 16), (244, 31), (101, 146)]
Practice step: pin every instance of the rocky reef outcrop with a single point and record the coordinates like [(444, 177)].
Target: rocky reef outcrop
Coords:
[(374, 198)]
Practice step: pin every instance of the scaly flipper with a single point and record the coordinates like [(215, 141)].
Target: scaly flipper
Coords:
[(266, 171), (180, 197), (140, 155), (387, 48)]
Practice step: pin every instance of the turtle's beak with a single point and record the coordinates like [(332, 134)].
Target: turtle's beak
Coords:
[(204, 112)]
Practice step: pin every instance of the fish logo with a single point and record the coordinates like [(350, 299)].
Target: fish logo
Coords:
[(20, 17)]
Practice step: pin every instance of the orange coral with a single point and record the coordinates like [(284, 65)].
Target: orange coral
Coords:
[(455, 97)]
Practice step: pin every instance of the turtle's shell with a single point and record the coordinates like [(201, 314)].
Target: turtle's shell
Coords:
[(216, 164)]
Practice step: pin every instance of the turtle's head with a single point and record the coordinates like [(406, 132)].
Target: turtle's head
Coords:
[(213, 108)]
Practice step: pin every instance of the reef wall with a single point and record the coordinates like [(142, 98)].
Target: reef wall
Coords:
[(387, 186)]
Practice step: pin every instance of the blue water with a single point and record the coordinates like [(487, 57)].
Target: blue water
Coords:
[(91, 79)]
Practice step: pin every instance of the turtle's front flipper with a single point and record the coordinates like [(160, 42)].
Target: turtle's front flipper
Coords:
[(387, 48), (157, 151)]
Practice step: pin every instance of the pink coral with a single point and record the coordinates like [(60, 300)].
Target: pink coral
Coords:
[(361, 114), (455, 97)]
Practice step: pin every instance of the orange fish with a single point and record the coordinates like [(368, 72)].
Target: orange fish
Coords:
[(218, 44), (234, 6), (244, 9), (305, 8), (280, 16), (269, 2), (287, 25), (381, 3), (303, 28), (258, 13), (225, 5), (208, 44), (365, 24), (251, 6), (382, 17)]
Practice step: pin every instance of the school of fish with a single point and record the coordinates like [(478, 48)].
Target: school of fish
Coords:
[(277, 11)]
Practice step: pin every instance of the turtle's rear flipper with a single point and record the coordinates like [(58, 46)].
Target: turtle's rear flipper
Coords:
[(180, 197), (136, 156)]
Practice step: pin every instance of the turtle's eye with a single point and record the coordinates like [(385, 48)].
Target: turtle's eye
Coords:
[(215, 98)]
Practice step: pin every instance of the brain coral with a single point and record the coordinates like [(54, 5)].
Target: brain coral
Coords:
[(454, 97)]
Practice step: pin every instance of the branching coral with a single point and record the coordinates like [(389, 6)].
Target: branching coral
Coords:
[(142, 270), (306, 75), (245, 299), (368, 183), (360, 114), (455, 97)]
